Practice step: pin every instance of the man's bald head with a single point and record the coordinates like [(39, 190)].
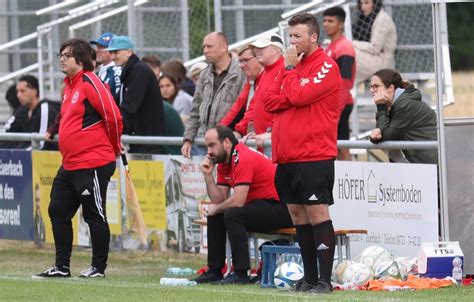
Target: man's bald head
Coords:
[(215, 47)]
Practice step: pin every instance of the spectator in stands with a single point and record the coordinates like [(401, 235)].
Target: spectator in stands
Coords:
[(108, 72), (89, 127), (40, 113), (341, 51), (177, 69), (140, 99), (304, 97), (15, 123), (171, 92), (217, 89), (252, 207), (374, 39), (268, 49), (253, 71), (174, 127), (402, 115), (154, 63), (196, 70)]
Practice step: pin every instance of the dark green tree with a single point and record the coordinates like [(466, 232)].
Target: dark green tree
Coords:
[(461, 35)]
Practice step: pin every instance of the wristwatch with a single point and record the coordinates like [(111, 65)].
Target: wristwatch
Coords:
[(289, 67)]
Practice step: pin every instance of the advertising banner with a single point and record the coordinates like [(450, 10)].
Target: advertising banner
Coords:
[(16, 221), (45, 167), (396, 203)]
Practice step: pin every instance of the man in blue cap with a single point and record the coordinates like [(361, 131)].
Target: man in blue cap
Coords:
[(108, 72), (140, 98)]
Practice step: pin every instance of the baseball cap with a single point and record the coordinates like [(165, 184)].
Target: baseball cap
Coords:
[(268, 39), (120, 42), (104, 39)]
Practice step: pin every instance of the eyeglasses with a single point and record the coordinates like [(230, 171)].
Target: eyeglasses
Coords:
[(64, 55), (375, 86), (245, 61)]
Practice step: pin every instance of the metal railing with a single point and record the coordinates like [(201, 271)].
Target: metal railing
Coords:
[(35, 138)]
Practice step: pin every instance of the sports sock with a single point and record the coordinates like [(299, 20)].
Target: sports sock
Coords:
[(308, 252), (325, 245)]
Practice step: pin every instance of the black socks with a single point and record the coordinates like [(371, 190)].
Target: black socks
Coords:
[(308, 252), (325, 246)]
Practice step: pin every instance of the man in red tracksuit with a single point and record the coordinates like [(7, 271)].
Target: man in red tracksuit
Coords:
[(90, 126), (305, 100)]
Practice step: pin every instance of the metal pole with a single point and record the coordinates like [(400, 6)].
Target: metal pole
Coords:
[(436, 12), (40, 65), (185, 29), (15, 32), (50, 65), (239, 22), (217, 15), (131, 20)]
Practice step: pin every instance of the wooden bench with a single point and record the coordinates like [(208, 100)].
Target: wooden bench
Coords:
[(342, 240)]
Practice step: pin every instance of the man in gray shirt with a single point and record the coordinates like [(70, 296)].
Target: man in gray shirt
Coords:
[(217, 89)]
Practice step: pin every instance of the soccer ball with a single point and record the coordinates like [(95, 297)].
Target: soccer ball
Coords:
[(340, 269), (373, 255), (387, 269), (287, 275), (357, 273)]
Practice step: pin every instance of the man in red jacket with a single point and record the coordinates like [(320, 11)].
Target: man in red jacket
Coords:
[(305, 100), (90, 126)]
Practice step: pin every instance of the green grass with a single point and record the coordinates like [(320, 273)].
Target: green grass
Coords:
[(134, 276)]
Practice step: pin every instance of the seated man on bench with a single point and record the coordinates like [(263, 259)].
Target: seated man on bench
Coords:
[(253, 206)]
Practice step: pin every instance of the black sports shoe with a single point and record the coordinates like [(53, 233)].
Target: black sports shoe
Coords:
[(92, 272), (208, 277), (233, 279), (302, 286), (321, 288), (54, 272)]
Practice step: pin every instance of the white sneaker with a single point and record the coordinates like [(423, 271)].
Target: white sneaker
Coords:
[(92, 272)]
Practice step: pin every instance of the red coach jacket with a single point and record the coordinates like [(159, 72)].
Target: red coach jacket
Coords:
[(306, 103), (90, 124)]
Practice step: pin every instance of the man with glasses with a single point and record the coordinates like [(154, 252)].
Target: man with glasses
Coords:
[(253, 71), (108, 72), (90, 126), (140, 98), (216, 91)]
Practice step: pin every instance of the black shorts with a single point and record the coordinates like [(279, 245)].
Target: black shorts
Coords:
[(343, 131), (306, 183)]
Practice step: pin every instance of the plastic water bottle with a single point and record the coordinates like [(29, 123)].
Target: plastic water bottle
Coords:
[(178, 271), (457, 270), (177, 282)]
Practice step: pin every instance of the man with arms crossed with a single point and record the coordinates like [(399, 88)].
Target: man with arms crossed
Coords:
[(305, 99), (252, 207)]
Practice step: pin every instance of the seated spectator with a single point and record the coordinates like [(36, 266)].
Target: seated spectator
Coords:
[(40, 113), (174, 127), (375, 39), (195, 71), (16, 121), (402, 115), (177, 69), (171, 92), (154, 63), (253, 205)]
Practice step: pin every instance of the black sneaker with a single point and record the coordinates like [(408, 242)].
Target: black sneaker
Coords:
[(92, 272), (321, 288), (233, 279), (208, 277), (54, 272), (302, 286)]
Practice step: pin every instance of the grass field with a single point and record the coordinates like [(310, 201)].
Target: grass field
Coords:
[(134, 276)]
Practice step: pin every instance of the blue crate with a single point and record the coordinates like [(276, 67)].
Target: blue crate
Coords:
[(270, 254)]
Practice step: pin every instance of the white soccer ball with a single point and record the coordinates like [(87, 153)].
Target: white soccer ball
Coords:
[(387, 269), (340, 269), (373, 255), (287, 275), (357, 273)]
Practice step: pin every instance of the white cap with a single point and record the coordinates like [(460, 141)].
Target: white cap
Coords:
[(267, 40)]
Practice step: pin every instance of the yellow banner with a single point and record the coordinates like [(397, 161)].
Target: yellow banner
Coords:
[(147, 177), (45, 167)]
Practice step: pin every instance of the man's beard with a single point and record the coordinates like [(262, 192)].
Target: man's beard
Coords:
[(220, 157)]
